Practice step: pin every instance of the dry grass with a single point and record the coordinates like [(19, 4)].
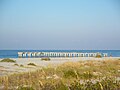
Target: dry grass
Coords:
[(83, 75)]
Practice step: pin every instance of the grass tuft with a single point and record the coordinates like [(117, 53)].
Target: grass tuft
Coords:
[(8, 60), (16, 64), (98, 56), (46, 59), (32, 64), (21, 65)]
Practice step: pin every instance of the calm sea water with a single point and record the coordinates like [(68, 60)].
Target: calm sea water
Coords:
[(13, 53)]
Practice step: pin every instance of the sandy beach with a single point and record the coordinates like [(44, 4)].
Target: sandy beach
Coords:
[(10, 68)]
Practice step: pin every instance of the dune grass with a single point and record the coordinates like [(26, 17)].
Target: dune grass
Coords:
[(31, 64), (83, 75), (8, 60), (16, 64), (45, 58)]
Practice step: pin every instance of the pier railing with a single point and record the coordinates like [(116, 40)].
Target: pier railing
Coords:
[(58, 54)]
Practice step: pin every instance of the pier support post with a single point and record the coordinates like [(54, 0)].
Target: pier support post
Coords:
[(20, 54), (29, 54)]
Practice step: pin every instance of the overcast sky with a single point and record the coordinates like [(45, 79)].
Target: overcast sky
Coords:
[(59, 24)]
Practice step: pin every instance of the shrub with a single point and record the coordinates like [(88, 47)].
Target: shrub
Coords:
[(32, 64), (46, 59), (21, 65), (8, 60), (98, 56), (16, 64)]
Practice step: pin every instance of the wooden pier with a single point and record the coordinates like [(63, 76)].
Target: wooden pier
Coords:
[(58, 54)]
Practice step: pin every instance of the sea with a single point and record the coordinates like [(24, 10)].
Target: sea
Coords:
[(13, 53)]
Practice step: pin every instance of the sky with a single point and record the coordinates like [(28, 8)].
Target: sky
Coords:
[(60, 24)]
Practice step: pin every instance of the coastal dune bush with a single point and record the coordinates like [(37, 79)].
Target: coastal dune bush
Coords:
[(45, 58), (98, 56), (8, 60), (21, 65), (16, 64), (31, 64)]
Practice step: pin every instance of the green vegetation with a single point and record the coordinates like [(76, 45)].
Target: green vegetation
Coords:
[(46, 59), (8, 60), (25, 88), (21, 65), (98, 56), (106, 84), (82, 75), (16, 64), (32, 64), (70, 74)]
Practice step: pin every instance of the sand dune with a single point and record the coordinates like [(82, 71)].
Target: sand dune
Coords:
[(10, 68)]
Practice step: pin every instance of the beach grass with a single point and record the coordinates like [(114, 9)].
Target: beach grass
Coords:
[(8, 60), (45, 59), (82, 75), (31, 64)]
